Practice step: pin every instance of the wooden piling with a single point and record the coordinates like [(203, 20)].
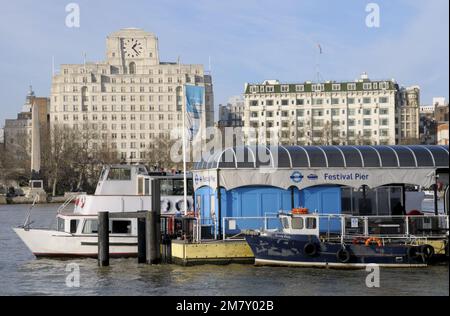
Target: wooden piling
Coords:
[(103, 239), (151, 240), (142, 258), (156, 208)]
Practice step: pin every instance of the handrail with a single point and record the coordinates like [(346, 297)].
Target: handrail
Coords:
[(62, 207), (405, 233), (27, 223)]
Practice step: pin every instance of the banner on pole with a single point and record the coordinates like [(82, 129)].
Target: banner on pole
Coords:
[(195, 96)]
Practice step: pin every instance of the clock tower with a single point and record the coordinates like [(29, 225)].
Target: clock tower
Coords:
[(131, 51)]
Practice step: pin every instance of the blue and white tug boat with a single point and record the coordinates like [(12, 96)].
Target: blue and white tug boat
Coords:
[(301, 243)]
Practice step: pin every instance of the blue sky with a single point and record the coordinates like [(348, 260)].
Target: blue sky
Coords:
[(247, 40)]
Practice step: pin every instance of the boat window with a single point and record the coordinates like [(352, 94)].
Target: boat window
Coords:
[(60, 224), (121, 227), (140, 186), (175, 187), (297, 223), (311, 223), (147, 186), (90, 226), (119, 174), (285, 222), (166, 187), (73, 225)]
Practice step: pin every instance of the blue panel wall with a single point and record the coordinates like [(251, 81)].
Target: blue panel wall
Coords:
[(258, 201), (324, 200)]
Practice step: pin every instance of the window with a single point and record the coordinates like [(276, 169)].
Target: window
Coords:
[(367, 86), (119, 174), (300, 102), (367, 100), (336, 87), (254, 103), (351, 86), (60, 223), (311, 223), (367, 122), (270, 89), (269, 102), (351, 101), (300, 88), (284, 102), (90, 226), (121, 227), (297, 223), (384, 100), (73, 225), (367, 112), (317, 87), (334, 101), (284, 88)]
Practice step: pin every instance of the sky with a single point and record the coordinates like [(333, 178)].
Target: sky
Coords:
[(245, 40)]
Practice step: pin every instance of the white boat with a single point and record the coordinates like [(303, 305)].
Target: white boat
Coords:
[(121, 188)]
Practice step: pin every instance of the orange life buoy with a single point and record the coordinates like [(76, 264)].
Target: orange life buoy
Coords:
[(371, 240), (300, 211)]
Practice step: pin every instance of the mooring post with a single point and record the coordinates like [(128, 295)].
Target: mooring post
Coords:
[(153, 226), (103, 239), (156, 209), (141, 241)]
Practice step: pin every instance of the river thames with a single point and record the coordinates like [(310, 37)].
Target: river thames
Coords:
[(22, 274)]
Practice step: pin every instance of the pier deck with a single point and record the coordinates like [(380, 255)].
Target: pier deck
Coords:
[(211, 252)]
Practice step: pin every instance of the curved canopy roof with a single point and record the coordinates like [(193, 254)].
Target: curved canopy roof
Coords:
[(310, 157)]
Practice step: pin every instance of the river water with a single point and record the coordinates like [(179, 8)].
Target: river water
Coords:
[(22, 274)]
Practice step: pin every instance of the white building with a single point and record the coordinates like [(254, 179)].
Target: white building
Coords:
[(358, 112), (132, 98), (232, 114)]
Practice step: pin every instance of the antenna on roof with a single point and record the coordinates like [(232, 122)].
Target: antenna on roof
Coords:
[(319, 52)]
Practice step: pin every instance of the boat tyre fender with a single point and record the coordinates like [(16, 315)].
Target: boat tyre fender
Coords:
[(310, 249), (413, 253), (343, 255), (427, 252)]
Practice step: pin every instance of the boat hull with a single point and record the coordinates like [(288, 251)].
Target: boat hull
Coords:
[(49, 243), (308, 251)]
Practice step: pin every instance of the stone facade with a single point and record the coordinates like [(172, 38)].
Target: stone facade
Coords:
[(131, 99)]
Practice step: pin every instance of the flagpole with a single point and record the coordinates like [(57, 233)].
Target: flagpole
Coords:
[(184, 150)]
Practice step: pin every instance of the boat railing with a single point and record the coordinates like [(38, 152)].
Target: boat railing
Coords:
[(234, 227), (343, 227)]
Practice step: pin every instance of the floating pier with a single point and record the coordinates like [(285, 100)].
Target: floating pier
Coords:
[(211, 252)]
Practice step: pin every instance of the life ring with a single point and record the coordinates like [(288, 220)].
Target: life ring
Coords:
[(372, 240), (179, 205), (310, 249), (343, 255), (300, 211)]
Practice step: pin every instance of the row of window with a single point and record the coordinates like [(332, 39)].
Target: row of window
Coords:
[(321, 123), (333, 101), (320, 87), (121, 108), (320, 112), (160, 71), (123, 98)]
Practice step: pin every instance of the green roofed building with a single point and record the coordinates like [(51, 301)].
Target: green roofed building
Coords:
[(360, 112)]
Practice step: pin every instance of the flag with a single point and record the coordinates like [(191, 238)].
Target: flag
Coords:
[(195, 96), (320, 48)]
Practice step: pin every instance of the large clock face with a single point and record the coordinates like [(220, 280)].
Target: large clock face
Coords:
[(132, 48)]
